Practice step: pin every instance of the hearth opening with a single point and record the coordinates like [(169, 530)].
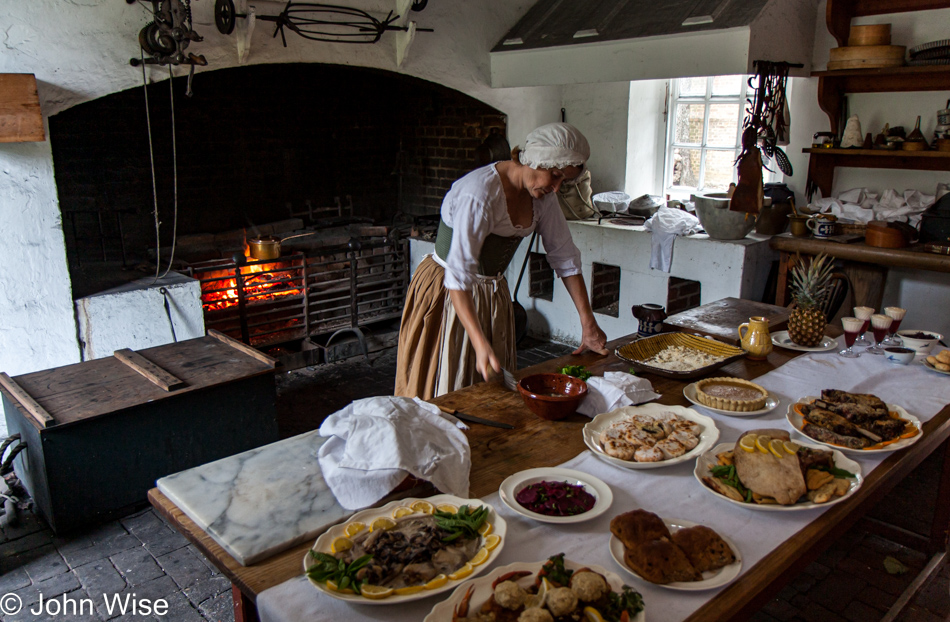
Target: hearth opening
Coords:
[(682, 294), (605, 289)]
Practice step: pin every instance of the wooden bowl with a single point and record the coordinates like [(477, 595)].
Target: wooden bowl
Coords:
[(552, 396), (880, 235), (870, 34)]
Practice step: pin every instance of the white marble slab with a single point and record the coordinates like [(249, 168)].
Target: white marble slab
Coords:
[(260, 502)]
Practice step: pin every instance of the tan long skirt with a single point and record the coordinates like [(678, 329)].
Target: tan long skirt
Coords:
[(435, 354)]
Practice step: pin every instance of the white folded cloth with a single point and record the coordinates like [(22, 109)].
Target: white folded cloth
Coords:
[(666, 224), (378, 440), (614, 390), (863, 205)]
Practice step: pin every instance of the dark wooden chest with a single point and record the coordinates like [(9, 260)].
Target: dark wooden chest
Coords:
[(99, 433)]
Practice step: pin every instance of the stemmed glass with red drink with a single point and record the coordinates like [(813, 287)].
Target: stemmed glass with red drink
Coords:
[(864, 314), (852, 328), (896, 314), (879, 325)]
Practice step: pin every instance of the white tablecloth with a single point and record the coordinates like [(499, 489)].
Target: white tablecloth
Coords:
[(670, 492)]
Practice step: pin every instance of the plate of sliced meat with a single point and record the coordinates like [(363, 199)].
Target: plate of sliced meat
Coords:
[(650, 436), (857, 423)]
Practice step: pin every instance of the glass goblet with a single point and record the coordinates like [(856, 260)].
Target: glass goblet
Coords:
[(864, 314), (879, 325), (852, 327), (896, 314)]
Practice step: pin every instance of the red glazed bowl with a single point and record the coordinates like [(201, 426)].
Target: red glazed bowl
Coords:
[(552, 396)]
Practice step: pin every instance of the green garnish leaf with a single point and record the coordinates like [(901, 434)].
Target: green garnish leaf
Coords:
[(578, 371), (834, 471), (555, 570), (462, 524)]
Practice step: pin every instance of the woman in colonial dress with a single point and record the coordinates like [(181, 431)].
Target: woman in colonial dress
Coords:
[(458, 323)]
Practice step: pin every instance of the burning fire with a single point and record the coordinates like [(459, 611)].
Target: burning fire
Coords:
[(263, 282)]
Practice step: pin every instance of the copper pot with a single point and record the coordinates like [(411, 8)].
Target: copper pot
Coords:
[(267, 247), (264, 247)]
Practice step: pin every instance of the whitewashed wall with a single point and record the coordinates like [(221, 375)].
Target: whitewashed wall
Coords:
[(925, 294), (80, 50)]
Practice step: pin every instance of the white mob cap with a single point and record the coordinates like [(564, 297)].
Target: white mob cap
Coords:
[(555, 145)]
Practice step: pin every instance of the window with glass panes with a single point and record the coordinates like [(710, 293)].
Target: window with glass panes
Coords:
[(704, 134)]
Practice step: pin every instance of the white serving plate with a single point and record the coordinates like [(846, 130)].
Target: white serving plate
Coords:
[(841, 461), (934, 369), (442, 612), (771, 403), (593, 486), (796, 421), (598, 424), (711, 579), (782, 340), (368, 516)]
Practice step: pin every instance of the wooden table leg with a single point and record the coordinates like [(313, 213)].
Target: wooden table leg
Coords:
[(244, 608), (782, 284)]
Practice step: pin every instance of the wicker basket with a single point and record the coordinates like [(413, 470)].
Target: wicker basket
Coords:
[(638, 351)]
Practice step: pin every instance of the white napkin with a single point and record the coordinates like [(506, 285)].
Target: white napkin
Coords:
[(614, 390), (377, 441), (666, 224)]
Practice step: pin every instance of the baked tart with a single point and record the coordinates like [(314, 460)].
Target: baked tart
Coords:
[(732, 394)]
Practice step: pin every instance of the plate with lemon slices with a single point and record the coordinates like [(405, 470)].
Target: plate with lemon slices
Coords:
[(372, 542), (787, 449)]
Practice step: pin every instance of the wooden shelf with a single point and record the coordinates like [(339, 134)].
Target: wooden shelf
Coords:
[(20, 118), (823, 162), (833, 85), (838, 13)]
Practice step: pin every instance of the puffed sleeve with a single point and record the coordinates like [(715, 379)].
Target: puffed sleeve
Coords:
[(562, 255), (472, 221)]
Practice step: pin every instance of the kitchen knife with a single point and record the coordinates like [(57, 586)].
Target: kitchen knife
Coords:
[(474, 419)]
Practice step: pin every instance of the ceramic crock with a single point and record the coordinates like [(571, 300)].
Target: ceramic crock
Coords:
[(756, 339)]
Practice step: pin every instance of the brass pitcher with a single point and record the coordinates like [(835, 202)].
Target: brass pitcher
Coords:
[(756, 339)]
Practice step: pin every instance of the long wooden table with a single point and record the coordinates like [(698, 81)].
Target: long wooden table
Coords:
[(498, 453)]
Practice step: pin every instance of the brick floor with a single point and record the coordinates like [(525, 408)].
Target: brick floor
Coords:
[(141, 553)]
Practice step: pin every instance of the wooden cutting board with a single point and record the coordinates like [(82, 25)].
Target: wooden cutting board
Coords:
[(721, 319)]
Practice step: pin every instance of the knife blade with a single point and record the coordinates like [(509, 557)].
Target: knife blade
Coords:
[(474, 419)]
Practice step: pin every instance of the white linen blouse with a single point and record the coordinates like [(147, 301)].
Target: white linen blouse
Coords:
[(475, 207)]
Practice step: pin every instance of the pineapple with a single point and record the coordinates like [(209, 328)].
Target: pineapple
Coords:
[(810, 286)]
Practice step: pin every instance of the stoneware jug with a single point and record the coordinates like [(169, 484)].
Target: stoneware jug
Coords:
[(649, 319), (756, 339)]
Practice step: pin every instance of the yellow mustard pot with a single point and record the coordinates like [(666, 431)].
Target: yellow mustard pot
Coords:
[(756, 339)]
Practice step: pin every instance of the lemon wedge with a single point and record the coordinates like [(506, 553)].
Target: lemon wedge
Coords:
[(447, 507), (422, 506), (762, 443), (791, 447), (354, 528), (376, 592), (485, 529), (341, 544), (492, 541), (409, 589), (747, 443), (480, 558), (462, 572), (777, 447), (401, 511), (382, 523), (592, 615), (436, 582)]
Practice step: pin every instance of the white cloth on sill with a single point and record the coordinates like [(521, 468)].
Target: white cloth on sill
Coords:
[(615, 390), (665, 225), (377, 441)]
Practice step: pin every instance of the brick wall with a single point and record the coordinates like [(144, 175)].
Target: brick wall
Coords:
[(253, 140), (682, 294), (605, 289)]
